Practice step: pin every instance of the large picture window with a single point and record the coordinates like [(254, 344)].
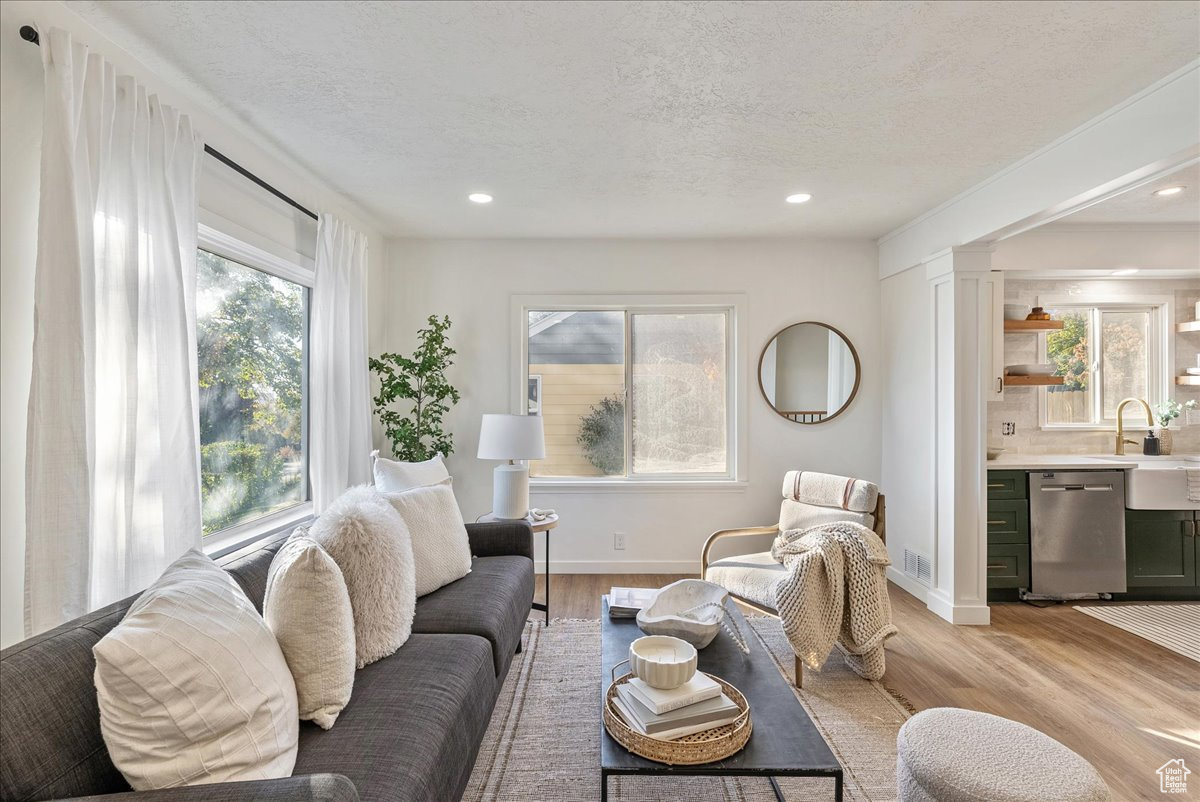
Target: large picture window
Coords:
[(631, 392), (251, 337), (1105, 353)]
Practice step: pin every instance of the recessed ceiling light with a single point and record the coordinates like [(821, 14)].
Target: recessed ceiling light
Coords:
[(799, 197), (479, 197), (1126, 271), (1165, 191)]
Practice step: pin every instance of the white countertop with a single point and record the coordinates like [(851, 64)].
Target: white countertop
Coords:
[(1060, 462)]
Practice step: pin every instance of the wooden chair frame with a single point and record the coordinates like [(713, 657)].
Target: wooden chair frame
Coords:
[(748, 531)]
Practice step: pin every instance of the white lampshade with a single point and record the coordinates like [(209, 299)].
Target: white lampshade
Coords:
[(512, 437)]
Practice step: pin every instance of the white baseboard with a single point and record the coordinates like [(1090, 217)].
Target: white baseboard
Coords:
[(967, 615), (619, 567), (907, 583)]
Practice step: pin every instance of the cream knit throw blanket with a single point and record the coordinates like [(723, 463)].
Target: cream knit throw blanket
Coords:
[(835, 590)]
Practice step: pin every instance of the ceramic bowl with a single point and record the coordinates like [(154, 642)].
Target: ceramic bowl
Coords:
[(1016, 311), (703, 602), (995, 451), (661, 661)]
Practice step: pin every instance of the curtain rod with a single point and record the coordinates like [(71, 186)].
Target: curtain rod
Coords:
[(30, 34)]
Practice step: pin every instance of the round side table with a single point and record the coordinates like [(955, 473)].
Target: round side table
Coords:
[(544, 525)]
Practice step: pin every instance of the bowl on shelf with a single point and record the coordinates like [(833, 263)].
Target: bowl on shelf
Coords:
[(1029, 370), (995, 451), (1016, 311)]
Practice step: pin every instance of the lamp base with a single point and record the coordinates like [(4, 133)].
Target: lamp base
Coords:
[(510, 492)]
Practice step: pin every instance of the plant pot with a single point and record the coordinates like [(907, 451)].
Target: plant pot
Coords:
[(1164, 440)]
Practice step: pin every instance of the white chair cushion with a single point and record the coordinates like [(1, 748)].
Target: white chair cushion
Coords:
[(751, 576), (953, 755), (798, 515), (192, 686)]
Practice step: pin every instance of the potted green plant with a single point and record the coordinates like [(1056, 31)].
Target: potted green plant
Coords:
[(1164, 413), (418, 384)]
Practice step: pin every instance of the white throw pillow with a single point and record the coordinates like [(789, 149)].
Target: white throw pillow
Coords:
[(441, 550), (192, 686), (396, 477), (368, 540), (308, 608)]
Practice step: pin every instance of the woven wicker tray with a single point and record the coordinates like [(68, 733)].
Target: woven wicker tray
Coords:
[(690, 750)]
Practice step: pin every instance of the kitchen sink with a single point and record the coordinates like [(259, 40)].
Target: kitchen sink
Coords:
[(1158, 483)]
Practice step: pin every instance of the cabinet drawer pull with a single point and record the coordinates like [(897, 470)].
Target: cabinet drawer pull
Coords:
[(996, 523), (992, 566), (1001, 484)]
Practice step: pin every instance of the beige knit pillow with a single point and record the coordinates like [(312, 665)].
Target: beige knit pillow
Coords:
[(308, 608), (192, 686), (440, 547), (368, 540)]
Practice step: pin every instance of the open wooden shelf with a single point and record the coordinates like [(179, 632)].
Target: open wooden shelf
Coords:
[(1188, 381), (1032, 325), (1190, 325), (1033, 381)]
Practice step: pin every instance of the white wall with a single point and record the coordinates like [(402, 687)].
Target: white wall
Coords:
[(1101, 247), (783, 281), (907, 467), (272, 225)]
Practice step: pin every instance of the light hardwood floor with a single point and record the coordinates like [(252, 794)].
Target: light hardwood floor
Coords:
[(1124, 703)]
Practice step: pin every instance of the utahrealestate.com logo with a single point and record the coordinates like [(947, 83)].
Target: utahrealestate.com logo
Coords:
[(1172, 777)]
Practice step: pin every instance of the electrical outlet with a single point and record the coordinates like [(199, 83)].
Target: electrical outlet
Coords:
[(619, 541), (1008, 428)]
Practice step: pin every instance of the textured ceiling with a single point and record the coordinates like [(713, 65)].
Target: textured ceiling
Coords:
[(1141, 205), (657, 118)]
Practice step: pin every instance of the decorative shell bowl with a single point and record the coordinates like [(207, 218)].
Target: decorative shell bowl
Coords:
[(661, 661), (666, 614)]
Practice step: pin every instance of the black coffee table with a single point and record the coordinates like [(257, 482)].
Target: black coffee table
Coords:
[(784, 742)]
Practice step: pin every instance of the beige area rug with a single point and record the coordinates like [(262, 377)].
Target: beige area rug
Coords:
[(1172, 626), (543, 743)]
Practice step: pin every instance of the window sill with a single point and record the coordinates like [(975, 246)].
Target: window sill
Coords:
[(636, 486), (230, 540)]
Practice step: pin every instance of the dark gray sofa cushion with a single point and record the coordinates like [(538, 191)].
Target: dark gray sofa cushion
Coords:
[(309, 788), (413, 726), (497, 593)]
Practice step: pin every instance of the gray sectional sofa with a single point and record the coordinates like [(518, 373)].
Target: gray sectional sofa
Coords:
[(410, 733)]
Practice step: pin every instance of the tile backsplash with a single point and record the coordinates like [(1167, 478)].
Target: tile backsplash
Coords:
[(1019, 405)]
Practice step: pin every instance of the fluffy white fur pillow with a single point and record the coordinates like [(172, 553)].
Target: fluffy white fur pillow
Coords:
[(308, 608), (368, 540), (396, 477), (192, 686), (440, 547)]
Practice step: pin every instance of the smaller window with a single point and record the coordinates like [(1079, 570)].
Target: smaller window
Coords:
[(1105, 353)]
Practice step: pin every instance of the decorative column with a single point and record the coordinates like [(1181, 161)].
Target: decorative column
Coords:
[(962, 287)]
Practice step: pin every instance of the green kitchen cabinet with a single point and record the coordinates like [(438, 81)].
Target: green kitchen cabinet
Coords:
[(1160, 548), (1007, 534), (1006, 485), (1007, 521), (1007, 567)]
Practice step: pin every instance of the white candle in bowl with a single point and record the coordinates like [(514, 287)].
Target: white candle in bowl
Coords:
[(662, 661)]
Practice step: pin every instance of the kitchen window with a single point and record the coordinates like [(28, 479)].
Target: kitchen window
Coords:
[(631, 391), (252, 345), (1105, 352)]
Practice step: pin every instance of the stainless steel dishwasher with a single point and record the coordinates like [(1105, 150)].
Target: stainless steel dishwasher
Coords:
[(1077, 532)]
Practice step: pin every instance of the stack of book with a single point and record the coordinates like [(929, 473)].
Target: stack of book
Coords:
[(626, 602), (693, 707)]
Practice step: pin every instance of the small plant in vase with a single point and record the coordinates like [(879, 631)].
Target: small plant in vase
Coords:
[(1164, 413)]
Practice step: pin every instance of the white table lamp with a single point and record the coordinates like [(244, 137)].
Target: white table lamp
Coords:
[(512, 438)]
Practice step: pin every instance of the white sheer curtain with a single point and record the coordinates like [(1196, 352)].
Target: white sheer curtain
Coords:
[(113, 466), (339, 394)]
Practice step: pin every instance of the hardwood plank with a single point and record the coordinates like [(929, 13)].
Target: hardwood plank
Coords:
[(1124, 703)]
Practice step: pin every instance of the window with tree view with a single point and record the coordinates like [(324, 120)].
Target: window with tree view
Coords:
[(1104, 354), (251, 332), (630, 393)]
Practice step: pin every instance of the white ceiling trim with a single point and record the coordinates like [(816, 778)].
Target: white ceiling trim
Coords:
[(1160, 124)]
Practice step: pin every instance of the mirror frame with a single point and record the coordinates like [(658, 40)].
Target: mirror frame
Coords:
[(857, 372)]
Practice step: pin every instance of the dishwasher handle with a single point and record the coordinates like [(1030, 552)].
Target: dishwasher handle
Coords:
[(1096, 488)]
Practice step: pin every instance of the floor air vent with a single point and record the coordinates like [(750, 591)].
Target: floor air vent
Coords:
[(917, 566)]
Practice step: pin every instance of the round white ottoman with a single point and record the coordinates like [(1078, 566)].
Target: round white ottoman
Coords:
[(951, 755)]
